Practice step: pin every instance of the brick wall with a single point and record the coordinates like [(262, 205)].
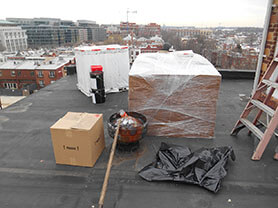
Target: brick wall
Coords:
[(271, 37), (270, 46), (30, 76), (58, 74)]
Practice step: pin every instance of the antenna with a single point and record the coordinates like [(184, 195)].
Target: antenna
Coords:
[(127, 12)]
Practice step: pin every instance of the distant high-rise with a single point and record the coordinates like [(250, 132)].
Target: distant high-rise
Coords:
[(21, 21), (94, 31), (53, 32), (51, 36)]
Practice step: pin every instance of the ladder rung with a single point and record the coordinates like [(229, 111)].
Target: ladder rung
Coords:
[(270, 83), (262, 123), (252, 128), (263, 107)]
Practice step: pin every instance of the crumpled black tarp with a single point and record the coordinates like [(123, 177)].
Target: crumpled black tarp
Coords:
[(205, 167)]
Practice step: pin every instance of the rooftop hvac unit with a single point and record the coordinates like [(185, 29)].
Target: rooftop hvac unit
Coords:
[(115, 62)]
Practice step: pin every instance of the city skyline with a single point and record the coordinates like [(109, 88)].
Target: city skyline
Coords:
[(214, 13)]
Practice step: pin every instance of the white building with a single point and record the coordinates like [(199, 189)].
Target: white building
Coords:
[(2, 58), (13, 38), (157, 39), (112, 29)]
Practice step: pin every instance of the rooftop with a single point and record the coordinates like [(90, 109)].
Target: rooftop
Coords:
[(28, 64), (29, 176), (6, 23)]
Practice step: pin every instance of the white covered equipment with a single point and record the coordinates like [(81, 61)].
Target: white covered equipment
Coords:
[(115, 62)]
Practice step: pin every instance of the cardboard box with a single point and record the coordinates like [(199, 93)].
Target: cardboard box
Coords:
[(177, 92), (78, 139)]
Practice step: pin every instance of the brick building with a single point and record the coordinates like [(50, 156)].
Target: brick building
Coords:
[(41, 71), (127, 27), (270, 48), (152, 29), (151, 48), (232, 60), (190, 32)]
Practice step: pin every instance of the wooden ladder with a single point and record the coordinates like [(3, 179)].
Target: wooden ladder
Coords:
[(264, 137)]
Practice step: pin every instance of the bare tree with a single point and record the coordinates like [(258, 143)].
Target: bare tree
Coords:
[(238, 48), (173, 39), (114, 39), (251, 39), (200, 43)]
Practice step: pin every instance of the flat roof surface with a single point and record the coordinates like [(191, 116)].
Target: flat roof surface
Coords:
[(29, 176), (30, 64)]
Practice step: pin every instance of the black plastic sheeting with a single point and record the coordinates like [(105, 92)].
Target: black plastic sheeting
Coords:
[(205, 167)]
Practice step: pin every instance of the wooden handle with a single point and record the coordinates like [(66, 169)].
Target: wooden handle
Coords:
[(109, 165)]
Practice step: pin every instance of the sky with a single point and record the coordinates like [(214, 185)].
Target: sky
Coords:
[(199, 13)]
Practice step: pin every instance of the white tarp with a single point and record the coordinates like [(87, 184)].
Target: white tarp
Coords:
[(115, 62), (174, 63)]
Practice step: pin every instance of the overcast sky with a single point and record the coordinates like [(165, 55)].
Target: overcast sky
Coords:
[(200, 13)]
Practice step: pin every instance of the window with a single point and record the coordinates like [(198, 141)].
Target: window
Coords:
[(10, 85), (13, 73), (0, 73), (19, 73), (51, 74), (40, 74), (41, 83), (32, 73)]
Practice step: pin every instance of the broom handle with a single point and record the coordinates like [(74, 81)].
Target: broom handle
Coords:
[(109, 165)]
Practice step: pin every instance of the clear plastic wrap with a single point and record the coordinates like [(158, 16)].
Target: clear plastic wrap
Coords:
[(177, 92)]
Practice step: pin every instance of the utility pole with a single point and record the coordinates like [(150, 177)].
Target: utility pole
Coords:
[(127, 12)]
